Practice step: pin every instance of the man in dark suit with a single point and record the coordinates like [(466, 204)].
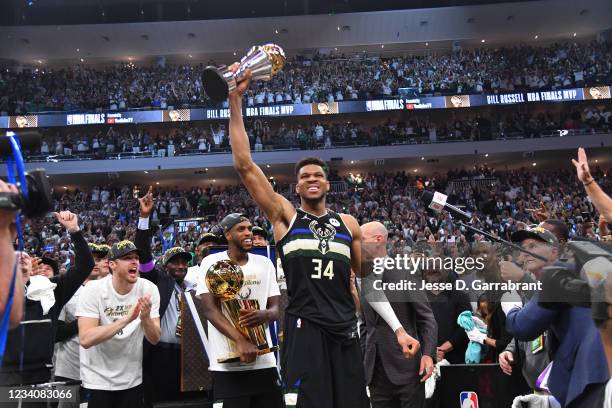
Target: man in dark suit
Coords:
[(394, 380), (162, 362), (446, 306)]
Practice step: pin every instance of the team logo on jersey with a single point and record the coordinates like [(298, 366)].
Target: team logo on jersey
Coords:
[(468, 399), (245, 293), (324, 233), (334, 222)]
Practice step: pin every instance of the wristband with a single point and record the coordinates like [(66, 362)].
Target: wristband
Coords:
[(589, 183), (143, 223), (73, 230)]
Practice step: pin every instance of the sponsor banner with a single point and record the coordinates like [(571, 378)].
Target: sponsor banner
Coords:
[(306, 109)]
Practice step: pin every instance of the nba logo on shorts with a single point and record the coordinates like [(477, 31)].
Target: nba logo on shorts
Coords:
[(468, 399)]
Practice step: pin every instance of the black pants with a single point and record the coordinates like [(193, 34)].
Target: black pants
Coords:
[(130, 398), (268, 400), (248, 389), (83, 397), (327, 372), (385, 394), (162, 378)]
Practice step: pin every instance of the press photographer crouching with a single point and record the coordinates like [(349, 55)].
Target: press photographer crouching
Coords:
[(578, 370), (29, 348)]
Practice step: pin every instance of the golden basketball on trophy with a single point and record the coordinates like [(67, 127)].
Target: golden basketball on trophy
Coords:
[(224, 279), (264, 61)]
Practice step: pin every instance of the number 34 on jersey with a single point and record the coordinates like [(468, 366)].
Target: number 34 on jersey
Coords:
[(321, 272)]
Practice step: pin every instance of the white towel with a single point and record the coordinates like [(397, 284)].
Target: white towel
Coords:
[(40, 290), (430, 383)]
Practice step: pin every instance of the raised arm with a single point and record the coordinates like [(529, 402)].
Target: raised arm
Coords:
[(275, 206), (600, 199), (143, 237), (69, 282)]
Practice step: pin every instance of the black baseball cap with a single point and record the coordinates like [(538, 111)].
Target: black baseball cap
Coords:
[(52, 263), (231, 220), (207, 237), (260, 231), (121, 249), (538, 233)]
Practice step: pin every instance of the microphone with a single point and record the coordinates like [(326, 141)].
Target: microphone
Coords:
[(437, 202), (28, 139)]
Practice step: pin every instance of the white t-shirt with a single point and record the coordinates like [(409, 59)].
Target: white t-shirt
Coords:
[(115, 364), (67, 353), (193, 274), (608, 395), (259, 283)]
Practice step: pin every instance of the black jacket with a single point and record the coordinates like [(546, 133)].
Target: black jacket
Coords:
[(29, 347), (446, 307), (163, 281)]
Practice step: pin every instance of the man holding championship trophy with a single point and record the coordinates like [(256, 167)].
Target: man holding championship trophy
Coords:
[(321, 356), (242, 363)]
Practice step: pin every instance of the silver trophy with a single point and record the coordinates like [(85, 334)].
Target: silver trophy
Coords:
[(264, 61)]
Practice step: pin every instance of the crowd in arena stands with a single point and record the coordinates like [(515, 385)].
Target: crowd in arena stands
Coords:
[(316, 78), (502, 202), (205, 138)]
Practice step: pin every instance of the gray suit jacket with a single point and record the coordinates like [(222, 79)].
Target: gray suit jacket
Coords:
[(414, 313)]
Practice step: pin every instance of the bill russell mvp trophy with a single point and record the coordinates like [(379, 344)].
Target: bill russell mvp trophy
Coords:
[(224, 279), (264, 61)]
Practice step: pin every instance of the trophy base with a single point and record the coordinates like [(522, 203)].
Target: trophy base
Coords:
[(235, 357), (214, 84)]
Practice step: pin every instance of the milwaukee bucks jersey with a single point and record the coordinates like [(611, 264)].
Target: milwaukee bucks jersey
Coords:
[(316, 258)]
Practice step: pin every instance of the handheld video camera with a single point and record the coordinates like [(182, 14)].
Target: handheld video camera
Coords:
[(564, 287), (34, 197)]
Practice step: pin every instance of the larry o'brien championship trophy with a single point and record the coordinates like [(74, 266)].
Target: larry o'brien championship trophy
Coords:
[(264, 61), (224, 279)]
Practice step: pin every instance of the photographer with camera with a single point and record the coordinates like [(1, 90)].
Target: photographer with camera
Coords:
[(7, 267), (579, 368), (29, 348), (598, 197)]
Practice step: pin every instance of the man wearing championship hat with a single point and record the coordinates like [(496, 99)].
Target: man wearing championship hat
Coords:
[(116, 314), (100, 254), (162, 361)]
